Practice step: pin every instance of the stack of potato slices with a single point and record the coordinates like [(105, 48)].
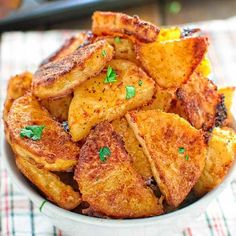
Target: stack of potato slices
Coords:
[(122, 121)]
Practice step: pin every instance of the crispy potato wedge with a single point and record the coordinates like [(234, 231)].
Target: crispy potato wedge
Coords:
[(162, 135), (139, 160), (197, 101), (112, 187), (95, 101), (18, 85), (124, 48), (162, 99), (112, 23), (49, 184), (171, 63), (221, 152), (54, 151), (69, 46), (58, 107), (59, 78), (229, 94)]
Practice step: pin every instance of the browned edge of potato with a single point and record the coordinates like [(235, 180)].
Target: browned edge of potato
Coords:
[(112, 23)]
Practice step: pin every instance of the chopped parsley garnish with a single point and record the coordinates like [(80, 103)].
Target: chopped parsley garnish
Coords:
[(186, 157), (33, 132), (130, 91), (104, 153), (140, 82), (104, 53), (110, 76), (42, 204), (117, 39), (181, 150)]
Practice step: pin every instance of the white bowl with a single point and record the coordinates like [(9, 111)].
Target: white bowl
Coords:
[(74, 224)]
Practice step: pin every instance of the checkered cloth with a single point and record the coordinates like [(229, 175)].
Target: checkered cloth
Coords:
[(24, 51)]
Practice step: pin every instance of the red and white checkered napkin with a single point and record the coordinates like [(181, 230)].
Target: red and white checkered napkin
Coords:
[(23, 51)]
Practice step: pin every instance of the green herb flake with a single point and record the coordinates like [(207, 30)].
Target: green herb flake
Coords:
[(42, 205), (104, 53), (117, 40), (33, 132), (104, 153), (130, 92), (186, 157), (110, 76), (181, 150), (140, 82)]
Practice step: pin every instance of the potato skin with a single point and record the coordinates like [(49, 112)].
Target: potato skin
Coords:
[(112, 187), (69, 46), (59, 78), (197, 101), (161, 135), (221, 152), (139, 160), (49, 184), (18, 85), (171, 63), (54, 150), (112, 23), (99, 101)]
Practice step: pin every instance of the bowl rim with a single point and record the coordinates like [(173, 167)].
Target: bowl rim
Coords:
[(37, 199)]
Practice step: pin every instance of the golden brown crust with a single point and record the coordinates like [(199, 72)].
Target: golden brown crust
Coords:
[(162, 99), (69, 46), (197, 102), (229, 94), (54, 150), (99, 101), (50, 185), (112, 23), (161, 135), (221, 152), (18, 85), (139, 160), (171, 63), (58, 78), (112, 187)]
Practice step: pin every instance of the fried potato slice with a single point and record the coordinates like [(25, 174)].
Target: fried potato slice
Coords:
[(171, 63), (58, 107), (69, 46), (221, 152), (54, 151), (124, 47), (175, 149), (59, 78), (197, 101), (112, 187), (229, 94), (112, 23), (18, 85), (139, 160), (95, 101), (162, 99), (50, 185)]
